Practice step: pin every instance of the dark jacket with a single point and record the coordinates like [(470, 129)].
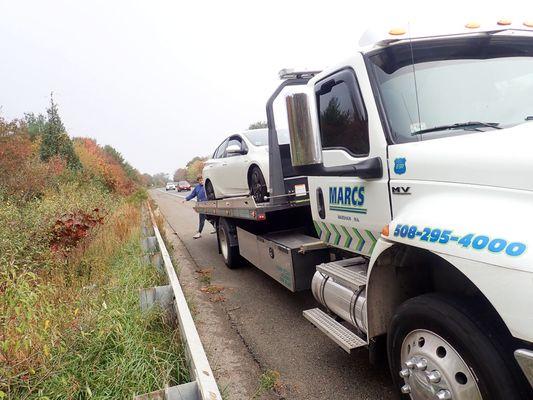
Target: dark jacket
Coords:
[(198, 192)]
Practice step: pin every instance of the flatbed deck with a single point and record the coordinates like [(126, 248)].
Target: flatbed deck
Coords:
[(245, 207)]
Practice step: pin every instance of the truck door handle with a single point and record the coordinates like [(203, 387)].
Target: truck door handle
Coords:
[(320, 203), (223, 164)]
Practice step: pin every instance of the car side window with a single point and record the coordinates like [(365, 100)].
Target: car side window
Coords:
[(219, 152), (342, 115)]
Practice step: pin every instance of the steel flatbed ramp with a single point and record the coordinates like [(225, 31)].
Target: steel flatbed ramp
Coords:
[(245, 207)]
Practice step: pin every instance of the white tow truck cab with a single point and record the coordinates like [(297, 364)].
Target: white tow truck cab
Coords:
[(418, 161)]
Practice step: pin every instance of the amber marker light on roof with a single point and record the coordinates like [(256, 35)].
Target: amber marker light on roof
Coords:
[(504, 22), (472, 25), (397, 31), (385, 230)]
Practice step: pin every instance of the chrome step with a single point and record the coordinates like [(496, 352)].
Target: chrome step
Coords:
[(341, 335), (350, 273)]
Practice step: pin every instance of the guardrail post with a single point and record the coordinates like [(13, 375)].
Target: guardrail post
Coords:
[(149, 244), (157, 261), (161, 296)]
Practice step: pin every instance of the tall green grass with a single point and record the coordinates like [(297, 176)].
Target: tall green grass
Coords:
[(119, 351), (75, 330)]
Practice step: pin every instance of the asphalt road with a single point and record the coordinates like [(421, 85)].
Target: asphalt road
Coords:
[(269, 319)]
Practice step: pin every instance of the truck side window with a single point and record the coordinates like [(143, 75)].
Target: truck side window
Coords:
[(342, 114)]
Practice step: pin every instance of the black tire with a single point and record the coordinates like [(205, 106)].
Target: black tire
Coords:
[(209, 191), (479, 344), (257, 185), (226, 235)]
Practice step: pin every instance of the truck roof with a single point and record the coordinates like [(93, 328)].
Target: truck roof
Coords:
[(379, 37)]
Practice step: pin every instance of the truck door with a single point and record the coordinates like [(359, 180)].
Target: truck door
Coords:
[(349, 212)]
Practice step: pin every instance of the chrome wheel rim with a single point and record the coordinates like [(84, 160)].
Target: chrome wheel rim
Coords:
[(223, 243), (433, 369)]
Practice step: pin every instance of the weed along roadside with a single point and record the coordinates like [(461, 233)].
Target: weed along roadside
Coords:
[(71, 265), (90, 339)]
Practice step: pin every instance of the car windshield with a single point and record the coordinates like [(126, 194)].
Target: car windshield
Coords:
[(455, 81), (259, 137), (184, 183)]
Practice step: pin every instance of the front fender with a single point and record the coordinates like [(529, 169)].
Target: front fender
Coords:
[(488, 225), (477, 221)]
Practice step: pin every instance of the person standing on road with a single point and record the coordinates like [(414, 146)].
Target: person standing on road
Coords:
[(199, 193)]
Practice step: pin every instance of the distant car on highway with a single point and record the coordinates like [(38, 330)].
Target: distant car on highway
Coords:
[(170, 186), (183, 186), (239, 166)]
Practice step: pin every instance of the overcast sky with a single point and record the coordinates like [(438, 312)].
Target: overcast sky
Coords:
[(164, 81)]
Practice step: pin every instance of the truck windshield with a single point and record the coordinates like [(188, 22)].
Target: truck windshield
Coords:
[(483, 78)]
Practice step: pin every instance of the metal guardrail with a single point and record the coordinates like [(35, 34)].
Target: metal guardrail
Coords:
[(203, 385)]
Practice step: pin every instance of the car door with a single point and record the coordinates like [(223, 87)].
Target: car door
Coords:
[(236, 167), (349, 212), (213, 168)]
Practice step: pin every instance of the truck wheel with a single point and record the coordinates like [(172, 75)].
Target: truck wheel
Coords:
[(439, 349), (229, 253)]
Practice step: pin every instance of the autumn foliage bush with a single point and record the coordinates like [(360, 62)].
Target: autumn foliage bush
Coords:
[(99, 165), (22, 174), (53, 212)]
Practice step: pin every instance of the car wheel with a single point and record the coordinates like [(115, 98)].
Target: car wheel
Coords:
[(257, 185), (438, 348), (209, 191)]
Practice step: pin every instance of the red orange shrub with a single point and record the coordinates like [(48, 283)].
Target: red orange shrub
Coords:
[(71, 228), (22, 174), (100, 165)]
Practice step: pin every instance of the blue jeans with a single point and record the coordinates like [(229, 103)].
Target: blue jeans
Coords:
[(201, 222)]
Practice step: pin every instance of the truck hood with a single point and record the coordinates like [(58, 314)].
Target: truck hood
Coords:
[(501, 158)]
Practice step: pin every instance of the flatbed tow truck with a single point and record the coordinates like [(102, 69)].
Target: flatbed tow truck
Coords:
[(390, 207)]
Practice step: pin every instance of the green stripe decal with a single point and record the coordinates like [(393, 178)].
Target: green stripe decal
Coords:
[(318, 230), (338, 237), (328, 232), (348, 209), (361, 240), (348, 237), (374, 240)]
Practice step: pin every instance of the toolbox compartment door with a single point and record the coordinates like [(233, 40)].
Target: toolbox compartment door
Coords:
[(278, 255)]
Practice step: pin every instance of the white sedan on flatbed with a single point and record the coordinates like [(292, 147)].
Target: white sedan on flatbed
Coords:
[(239, 166)]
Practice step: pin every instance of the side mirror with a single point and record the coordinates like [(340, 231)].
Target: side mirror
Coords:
[(234, 149), (306, 148)]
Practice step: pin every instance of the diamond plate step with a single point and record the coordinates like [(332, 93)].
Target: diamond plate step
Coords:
[(342, 272), (344, 337)]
